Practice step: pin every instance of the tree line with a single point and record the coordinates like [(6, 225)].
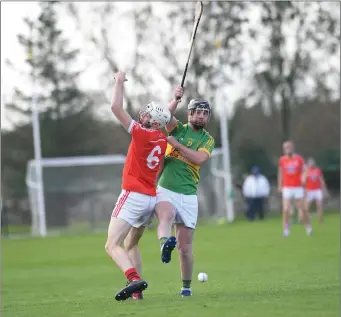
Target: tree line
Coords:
[(291, 83)]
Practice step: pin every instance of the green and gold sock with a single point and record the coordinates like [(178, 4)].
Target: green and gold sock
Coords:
[(186, 283), (163, 240)]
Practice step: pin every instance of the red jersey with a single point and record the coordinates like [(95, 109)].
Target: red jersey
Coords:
[(292, 170), (313, 178), (145, 152)]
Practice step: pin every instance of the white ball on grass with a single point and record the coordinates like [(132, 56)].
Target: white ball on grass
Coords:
[(202, 277)]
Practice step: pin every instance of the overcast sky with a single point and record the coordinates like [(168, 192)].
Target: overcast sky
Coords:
[(12, 14)]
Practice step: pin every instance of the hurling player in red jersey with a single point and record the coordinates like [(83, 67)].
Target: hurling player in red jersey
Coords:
[(137, 200), (315, 187), (290, 174)]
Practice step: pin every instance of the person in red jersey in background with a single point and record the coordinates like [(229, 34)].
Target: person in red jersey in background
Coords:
[(290, 174), (315, 187), (137, 200)]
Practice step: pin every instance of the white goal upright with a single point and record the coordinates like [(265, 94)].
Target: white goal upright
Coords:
[(215, 191), (79, 193)]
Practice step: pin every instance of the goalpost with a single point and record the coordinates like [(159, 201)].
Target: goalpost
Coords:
[(79, 193), (69, 183), (220, 99)]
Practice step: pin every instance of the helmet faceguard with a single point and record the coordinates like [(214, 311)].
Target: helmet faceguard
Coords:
[(158, 116)]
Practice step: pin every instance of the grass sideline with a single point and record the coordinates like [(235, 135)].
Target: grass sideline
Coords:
[(253, 272)]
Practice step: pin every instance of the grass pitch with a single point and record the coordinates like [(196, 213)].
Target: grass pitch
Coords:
[(252, 271)]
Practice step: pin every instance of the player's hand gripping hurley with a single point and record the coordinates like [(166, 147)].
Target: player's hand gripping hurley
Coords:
[(198, 13)]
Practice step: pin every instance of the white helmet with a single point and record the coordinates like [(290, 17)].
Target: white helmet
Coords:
[(157, 114)]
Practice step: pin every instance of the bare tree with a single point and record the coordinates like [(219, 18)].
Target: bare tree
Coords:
[(300, 37), (140, 18)]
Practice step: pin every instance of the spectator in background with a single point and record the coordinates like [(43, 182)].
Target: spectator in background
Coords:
[(256, 189)]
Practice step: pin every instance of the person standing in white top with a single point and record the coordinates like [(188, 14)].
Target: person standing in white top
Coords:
[(256, 188)]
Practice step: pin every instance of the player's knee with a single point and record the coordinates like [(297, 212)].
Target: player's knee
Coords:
[(168, 216), (109, 246)]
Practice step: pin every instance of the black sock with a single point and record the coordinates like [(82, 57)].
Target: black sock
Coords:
[(186, 283)]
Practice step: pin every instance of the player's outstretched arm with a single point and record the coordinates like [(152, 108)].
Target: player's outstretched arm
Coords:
[(178, 93), (117, 101), (197, 157)]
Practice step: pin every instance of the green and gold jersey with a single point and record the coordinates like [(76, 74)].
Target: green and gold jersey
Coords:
[(179, 174)]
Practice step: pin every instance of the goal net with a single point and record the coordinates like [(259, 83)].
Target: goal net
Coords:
[(80, 192), (211, 190)]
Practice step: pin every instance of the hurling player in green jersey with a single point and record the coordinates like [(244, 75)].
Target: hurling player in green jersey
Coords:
[(189, 146)]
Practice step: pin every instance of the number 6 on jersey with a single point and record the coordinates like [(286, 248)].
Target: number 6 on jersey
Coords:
[(152, 160)]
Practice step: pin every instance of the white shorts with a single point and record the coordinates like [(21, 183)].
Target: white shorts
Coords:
[(292, 192), (315, 194), (186, 206), (135, 208)]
